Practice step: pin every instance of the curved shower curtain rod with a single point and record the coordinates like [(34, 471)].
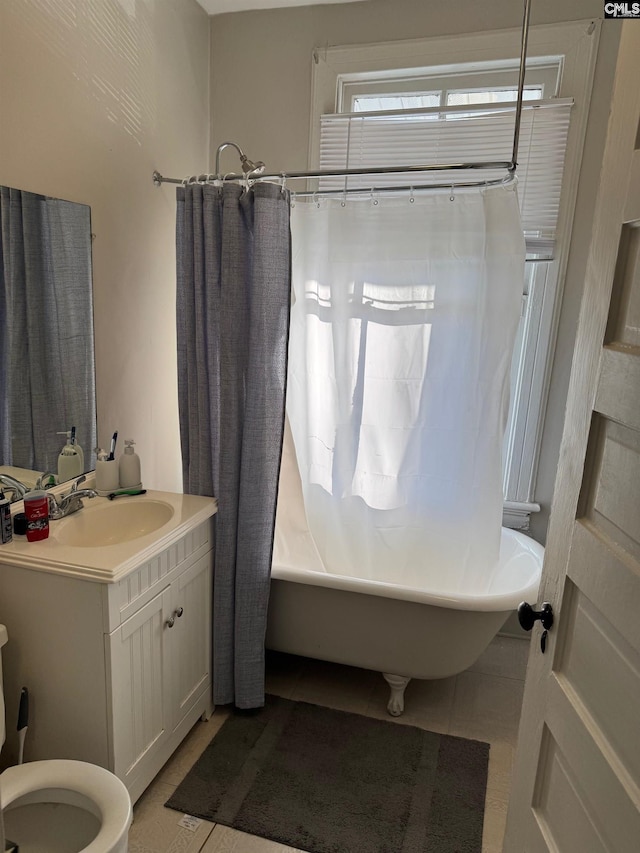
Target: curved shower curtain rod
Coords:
[(256, 170)]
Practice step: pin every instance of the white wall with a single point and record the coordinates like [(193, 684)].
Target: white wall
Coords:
[(95, 95), (260, 98)]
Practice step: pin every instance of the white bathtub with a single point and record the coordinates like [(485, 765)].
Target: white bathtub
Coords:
[(402, 631)]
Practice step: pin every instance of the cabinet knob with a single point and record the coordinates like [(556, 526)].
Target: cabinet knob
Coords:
[(171, 621)]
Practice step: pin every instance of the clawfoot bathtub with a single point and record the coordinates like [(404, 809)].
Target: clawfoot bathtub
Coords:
[(402, 631)]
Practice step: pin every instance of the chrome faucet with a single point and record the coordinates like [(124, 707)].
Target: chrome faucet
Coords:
[(45, 480), (19, 489), (69, 503)]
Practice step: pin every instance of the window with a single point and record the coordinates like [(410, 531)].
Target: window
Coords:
[(441, 84), (480, 133), (388, 82)]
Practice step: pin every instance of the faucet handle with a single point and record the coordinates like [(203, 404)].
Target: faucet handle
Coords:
[(55, 510), (78, 482)]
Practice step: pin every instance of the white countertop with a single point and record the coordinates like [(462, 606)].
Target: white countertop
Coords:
[(109, 563)]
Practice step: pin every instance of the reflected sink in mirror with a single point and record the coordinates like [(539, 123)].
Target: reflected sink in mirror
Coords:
[(104, 522), (26, 476)]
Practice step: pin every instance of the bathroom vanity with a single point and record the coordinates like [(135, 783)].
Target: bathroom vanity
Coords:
[(110, 630)]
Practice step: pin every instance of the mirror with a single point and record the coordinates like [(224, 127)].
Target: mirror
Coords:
[(47, 358)]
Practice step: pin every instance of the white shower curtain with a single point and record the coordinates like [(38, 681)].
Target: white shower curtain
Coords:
[(402, 328)]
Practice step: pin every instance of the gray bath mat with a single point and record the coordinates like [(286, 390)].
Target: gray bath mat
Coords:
[(327, 781)]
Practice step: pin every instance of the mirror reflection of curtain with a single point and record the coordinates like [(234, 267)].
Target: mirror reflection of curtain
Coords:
[(402, 330), (47, 371)]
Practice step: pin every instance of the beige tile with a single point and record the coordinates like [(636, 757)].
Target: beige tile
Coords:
[(345, 688), (223, 839), (501, 758), (191, 748), (155, 829), (504, 656), (495, 819), (427, 704), (486, 707), (476, 704)]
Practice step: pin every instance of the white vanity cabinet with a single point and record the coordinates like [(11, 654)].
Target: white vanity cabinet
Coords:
[(117, 672), (159, 662)]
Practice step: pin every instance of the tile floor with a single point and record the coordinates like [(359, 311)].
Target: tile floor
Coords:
[(482, 703)]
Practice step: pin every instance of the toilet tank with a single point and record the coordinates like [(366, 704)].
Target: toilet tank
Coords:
[(3, 639)]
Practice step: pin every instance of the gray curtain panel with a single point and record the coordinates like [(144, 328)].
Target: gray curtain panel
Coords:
[(47, 369), (233, 299)]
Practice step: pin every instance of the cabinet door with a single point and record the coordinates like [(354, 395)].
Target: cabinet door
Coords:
[(189, 640), (138, 675)]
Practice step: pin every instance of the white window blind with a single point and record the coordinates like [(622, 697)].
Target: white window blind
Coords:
[(471, 134)]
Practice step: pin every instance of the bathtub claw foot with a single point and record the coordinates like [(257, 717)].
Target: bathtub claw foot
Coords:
[(398, 684)]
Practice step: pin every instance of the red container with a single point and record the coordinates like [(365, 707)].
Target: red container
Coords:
[(36, 508)]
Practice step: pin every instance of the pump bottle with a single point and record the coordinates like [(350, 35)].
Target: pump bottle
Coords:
[(71, 458), (129, 467)]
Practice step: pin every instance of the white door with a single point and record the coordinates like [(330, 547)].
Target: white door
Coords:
[(136, 663), (576, 786), (189, 640)]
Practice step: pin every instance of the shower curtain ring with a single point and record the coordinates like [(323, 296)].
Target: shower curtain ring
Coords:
[(452, 196), (283, 186), (411, 198), (373, 198)]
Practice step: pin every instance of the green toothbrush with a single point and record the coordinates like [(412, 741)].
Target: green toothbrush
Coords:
[(122, 492)]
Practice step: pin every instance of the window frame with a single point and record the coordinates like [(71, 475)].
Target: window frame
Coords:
[(574, 45), (547, 71)]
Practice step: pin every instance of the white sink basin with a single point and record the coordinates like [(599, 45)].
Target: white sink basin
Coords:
[(103, 522)]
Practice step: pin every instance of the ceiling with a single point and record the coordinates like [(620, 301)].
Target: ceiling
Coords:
[(216, 7)]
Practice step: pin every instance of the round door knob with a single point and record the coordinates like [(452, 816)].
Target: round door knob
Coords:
[(527, 616), (179, 612), (170, 622)]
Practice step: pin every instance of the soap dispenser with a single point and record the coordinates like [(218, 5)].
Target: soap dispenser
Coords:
[(71, 458), (129, 467)]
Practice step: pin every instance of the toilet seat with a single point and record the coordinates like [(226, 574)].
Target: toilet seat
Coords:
[(77, 783)]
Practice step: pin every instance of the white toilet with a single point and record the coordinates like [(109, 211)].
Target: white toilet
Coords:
[(60, 806)]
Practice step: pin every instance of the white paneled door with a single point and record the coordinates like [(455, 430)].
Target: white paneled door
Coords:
[(576, 782)]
